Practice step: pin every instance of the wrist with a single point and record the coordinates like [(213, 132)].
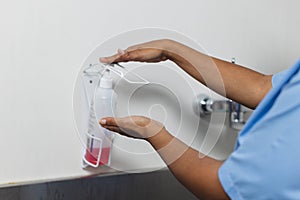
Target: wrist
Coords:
[(171, 50), (152, 128), (160, 139), (168, 48)]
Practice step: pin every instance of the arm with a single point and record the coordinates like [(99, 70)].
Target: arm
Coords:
[(198, 174), (238, 83), (233, 81)]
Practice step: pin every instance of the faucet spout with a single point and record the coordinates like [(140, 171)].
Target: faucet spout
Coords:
[(204, 105), (236, 115)]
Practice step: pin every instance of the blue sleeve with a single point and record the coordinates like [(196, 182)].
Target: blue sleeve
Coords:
[(277, 78), (266, 163)]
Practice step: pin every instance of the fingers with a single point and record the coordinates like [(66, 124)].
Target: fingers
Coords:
[(122, 56), (114, 129), (113, 58), (126, 133), (110, 124), (108, 121), (135, 53), (113, 124), (128, 126), (145, 52)]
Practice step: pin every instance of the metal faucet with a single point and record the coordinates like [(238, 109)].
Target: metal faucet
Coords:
[(235, 111), (236, 115), (205, 106)]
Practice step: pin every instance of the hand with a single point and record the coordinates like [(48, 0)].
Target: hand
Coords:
[(154, 51), (133, 126)]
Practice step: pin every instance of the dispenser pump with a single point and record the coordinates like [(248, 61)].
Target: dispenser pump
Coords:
[(106, 81)]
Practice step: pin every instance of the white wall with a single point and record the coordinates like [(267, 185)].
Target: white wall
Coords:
[(43, 43)]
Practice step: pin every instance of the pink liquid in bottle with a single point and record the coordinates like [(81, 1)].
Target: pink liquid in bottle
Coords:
[(92, 156)]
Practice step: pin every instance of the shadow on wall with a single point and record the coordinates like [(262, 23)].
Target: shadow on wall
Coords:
[(159, 185)]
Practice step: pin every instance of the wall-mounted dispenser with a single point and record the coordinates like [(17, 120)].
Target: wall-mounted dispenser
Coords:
[(101, 102)]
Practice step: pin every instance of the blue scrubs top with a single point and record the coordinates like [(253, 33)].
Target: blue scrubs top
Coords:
[(266, 161)]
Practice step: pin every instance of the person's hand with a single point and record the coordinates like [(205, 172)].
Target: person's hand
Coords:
[(154, 51), (133, 126)]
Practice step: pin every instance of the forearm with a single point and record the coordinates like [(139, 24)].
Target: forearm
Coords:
[(243, 85), (197, 172)]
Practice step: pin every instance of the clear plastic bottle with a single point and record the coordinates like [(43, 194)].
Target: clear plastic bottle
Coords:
[(100, 140)]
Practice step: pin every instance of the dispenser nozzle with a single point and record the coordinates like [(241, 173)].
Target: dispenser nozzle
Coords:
[(106, 81)]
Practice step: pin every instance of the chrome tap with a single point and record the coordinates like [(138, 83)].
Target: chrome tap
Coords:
[(204, 105), (235, 110)]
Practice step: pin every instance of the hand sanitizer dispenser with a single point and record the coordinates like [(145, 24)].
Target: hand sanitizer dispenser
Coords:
[(99, 140), (101, 102)]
